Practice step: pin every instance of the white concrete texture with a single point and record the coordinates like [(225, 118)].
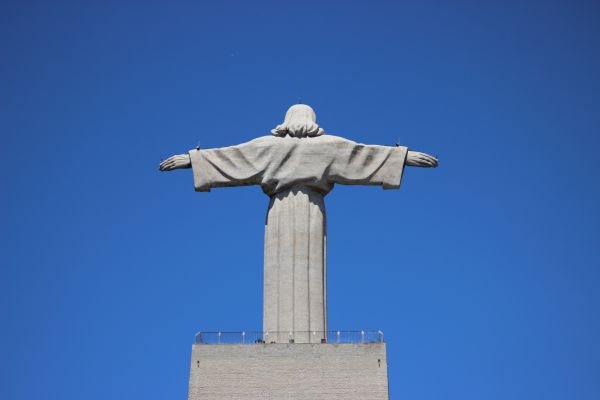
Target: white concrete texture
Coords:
[(297, 172), (289, 371)]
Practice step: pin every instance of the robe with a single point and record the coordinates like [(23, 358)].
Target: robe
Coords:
[(296, 173)]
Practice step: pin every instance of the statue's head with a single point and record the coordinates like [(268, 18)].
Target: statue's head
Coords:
[(300, 121)]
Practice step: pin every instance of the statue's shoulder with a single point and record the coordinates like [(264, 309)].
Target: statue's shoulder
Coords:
[(290, 141), (263, 140), (334, 139)]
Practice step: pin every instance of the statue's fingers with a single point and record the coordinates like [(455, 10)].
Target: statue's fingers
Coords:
[(428, 162), (430, 159), (168, 166), (424, 160)]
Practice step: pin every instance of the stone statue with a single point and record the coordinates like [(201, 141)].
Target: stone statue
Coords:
[(296, 167)]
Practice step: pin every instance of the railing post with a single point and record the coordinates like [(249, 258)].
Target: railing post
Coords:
[(219, 338), (362, 336), (243, 337), (380, 336), (338, 336)]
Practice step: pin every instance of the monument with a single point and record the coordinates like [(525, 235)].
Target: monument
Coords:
[(296, 166)]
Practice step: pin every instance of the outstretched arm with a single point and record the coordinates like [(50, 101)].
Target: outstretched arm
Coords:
[(176, 162), (362, 164), (239, 165), (418, 159)]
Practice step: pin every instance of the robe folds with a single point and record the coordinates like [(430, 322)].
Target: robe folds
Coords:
[(296, 173)]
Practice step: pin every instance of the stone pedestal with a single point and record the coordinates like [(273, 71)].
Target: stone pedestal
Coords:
[(347, 371)]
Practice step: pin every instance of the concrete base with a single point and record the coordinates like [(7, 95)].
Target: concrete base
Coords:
[(345, 371)]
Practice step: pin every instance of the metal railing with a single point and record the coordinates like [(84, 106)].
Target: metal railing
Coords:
[(254, 337)]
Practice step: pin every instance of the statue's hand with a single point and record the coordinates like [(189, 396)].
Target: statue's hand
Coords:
[(176, 162), (418, 159)]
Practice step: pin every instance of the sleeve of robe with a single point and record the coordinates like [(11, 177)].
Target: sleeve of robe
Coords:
[(361, 164), (239, 165)]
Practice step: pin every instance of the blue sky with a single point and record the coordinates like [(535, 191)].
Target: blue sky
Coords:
[(483, 273)]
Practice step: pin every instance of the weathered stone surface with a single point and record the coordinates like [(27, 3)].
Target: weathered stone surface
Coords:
[(289, 371)]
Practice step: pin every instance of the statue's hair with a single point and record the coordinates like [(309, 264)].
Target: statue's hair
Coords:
[(300, 121)]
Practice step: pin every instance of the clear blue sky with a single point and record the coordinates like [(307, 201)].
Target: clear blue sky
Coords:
[(483, 274)]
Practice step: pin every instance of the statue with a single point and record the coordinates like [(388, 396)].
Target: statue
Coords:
[(296, 167)]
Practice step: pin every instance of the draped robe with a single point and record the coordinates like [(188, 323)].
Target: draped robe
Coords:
[(296, 173)]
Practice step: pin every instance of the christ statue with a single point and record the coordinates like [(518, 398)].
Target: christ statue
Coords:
[(296, 166)]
